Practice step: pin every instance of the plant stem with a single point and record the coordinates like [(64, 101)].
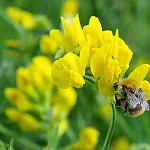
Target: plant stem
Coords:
[(111, 127), (89, 78)]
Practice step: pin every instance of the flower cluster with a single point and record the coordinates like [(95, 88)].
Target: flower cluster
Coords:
[(36, 94), (89, 51), (27, 19)]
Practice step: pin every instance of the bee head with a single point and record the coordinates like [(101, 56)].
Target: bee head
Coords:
[(116, 86)]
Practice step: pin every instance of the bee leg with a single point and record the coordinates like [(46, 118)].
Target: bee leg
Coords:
[(119, 101), (125, 109)]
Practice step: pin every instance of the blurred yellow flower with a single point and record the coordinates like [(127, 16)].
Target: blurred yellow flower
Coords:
[(68, 71), (26, 19), (41, 73), (17, 98), (63, 100), (12, 43), (121, 143), (69, 8), (48, 45), (23, 80), (25, 121), (14, 13), (88, 139)]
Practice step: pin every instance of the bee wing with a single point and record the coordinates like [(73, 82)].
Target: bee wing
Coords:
[(133, 100)]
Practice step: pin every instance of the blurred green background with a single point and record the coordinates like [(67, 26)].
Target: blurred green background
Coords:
[(131, 17)]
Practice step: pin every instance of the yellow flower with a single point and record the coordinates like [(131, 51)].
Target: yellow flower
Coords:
[(14, 13), (12, 43), (69, 8), (25, 121), (28, 20), (24, 82), (73, 35), (111, 75), (48, 45), (121, 143), (109, 63), (17, 98), (68, 71), (63, 100), (138, 76), (88, 139), (41, 73), (94, 31)]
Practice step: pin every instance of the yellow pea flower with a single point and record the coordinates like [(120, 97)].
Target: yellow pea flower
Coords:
[(94, 31), (88, 139), (41, 73), (24, 82), (68, 71), (48, 45), (25, 121), (72, 37), (121, 143), (17, 98)]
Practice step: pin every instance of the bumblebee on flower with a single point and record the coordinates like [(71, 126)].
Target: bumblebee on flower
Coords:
[(105, 55)]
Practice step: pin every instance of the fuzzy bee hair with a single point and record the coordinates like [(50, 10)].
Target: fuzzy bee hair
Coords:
[(130, 96)]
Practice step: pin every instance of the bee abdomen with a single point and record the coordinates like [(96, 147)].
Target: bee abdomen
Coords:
[(136, 112)]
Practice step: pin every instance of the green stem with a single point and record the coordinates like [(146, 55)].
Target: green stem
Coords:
[(111, 127), (89, 78)]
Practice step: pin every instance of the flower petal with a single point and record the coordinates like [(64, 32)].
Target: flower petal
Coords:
[(124, 55), (115, 45), (84, 55), (60, 74), (139, 73), (76, 79), (145, 85), (77, 29), (58, 37), (107, 36), (105, 88), (98, 60), (74, 63)]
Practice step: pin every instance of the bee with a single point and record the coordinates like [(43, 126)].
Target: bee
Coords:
[(130, 97)]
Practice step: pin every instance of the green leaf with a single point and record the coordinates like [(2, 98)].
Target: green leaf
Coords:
[(53, 140), (2, 146), (11, 144)]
